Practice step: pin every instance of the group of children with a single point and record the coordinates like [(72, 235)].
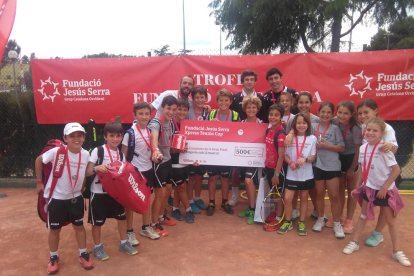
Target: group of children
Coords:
[(305, 154)]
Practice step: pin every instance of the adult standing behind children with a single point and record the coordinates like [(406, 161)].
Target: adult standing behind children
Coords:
[(66, 203), (186, 85), (248, 79), (274, 78)]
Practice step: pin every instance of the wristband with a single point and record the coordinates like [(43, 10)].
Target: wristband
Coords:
[(94, 169), (277, 174)]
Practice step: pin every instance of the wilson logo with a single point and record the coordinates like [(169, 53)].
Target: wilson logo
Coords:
[(134, 186), (61, 159)]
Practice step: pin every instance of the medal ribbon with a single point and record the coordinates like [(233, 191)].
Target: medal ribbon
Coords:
[(70, 174), (367, 167), (148, 143), (110, 155), (302, 147), (324, 132)]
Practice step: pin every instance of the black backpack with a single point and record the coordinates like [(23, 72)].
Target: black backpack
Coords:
[(86, 193)]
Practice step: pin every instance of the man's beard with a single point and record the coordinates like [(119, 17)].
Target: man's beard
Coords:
[(184, 91)]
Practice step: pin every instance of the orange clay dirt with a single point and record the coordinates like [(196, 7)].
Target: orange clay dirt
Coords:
[(218, 245)]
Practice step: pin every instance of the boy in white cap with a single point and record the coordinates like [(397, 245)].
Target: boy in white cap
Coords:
[(65, 203)]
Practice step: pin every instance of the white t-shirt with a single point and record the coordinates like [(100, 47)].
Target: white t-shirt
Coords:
[(96, 186), (305, 172), (142, 154), (380, 166), (158, 101), (63, 189)]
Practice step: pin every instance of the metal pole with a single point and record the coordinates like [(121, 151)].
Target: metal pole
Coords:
[(220, 38), (184, 28)]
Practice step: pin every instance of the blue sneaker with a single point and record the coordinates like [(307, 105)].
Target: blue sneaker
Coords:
[(374, 239), (100, 253), (200, 204), (128, 249), (194, 208), (177, 215), (189, 217)]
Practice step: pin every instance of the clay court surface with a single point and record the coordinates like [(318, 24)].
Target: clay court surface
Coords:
[(218, 245)]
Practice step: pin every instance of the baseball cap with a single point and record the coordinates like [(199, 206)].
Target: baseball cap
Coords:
[(73, 127)]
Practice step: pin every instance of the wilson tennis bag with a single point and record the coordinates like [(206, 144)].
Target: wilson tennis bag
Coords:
[(127, 186), (56, 169)]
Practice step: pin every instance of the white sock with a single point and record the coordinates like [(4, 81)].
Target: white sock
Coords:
[(97, 245), (235, 190), (175, 208), (192, 201), (188, 209), (82, 250), (123, 241), (53, 253)]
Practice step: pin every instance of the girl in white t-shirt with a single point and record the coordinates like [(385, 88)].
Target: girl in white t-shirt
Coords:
[(299, 156), (376, 180), (367, 110)]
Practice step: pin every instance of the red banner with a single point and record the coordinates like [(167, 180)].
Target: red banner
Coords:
[(80, 89), (7, 14)]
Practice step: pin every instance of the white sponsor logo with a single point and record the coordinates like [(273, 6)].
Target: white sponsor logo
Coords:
[(73, 90), (49, 89), (240, 132), (134, 186), (61, 159), (359, 84)]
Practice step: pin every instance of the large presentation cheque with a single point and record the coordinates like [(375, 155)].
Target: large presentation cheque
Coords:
[(224, 143)]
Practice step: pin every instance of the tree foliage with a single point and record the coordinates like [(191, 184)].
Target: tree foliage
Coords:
[(163, 51), (400, 35), (105, 55), (265, 25), (11, 45)]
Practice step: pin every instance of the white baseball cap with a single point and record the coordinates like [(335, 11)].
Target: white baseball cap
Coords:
[(73, 127)]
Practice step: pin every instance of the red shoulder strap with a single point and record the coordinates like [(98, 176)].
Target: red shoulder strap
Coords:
[(58, 167)]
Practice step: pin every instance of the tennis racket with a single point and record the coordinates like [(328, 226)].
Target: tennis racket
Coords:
[(272, 211)]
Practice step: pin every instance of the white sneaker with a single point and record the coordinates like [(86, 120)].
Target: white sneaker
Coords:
[(132, 239), (295, 214), (149, 232), (350, 248), (401, 258), (338, 230), (319, 224), (233, 200)]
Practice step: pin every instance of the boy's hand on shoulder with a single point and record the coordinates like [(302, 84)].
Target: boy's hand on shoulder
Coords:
[(385, 147), (288, 139)]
